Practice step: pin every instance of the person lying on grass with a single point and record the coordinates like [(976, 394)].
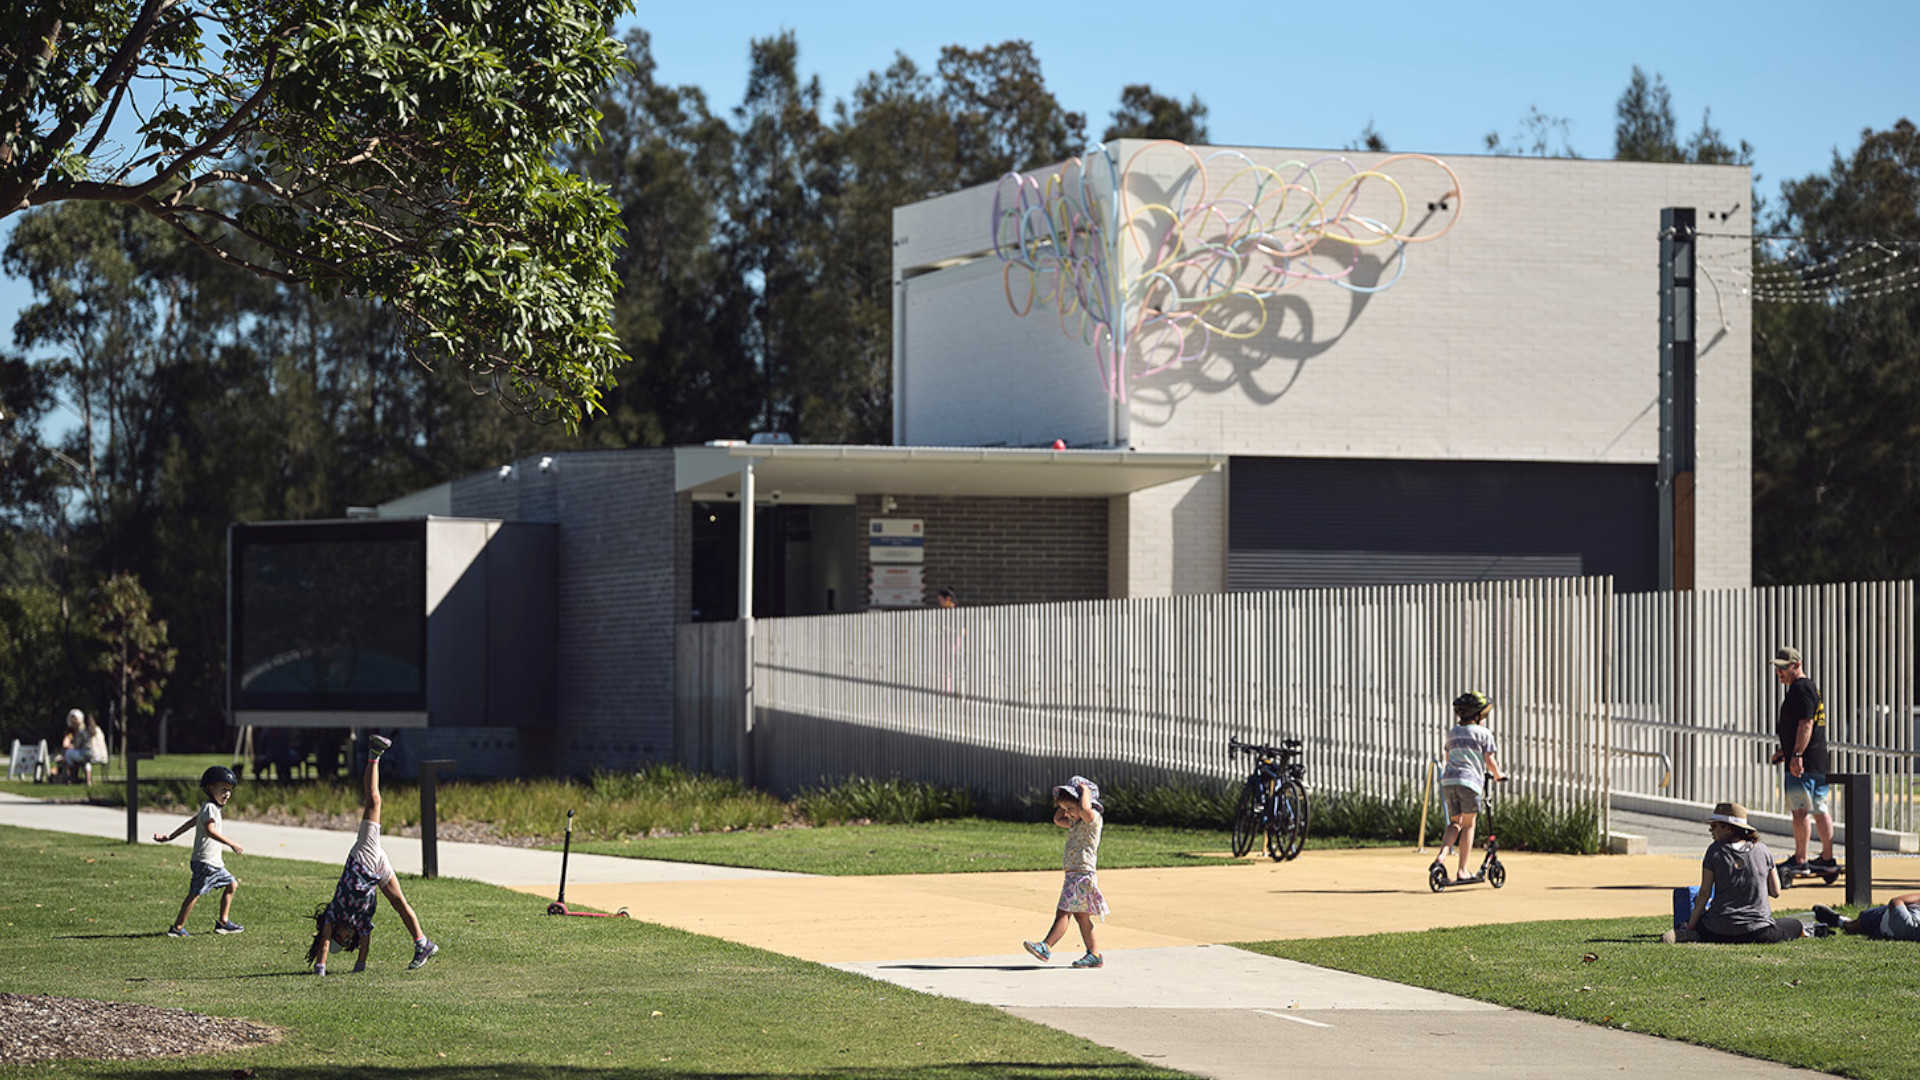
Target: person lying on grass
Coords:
[(1738, 874), (1896, 920), (347, 921)]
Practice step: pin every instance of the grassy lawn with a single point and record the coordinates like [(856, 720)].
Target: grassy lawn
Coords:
[(1844, 1004), (114, 775), (513, 994), (936, 847)]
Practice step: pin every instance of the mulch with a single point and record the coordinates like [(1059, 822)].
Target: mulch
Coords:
[(35, 1027)]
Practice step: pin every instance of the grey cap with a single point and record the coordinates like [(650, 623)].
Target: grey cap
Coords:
[(1786, 656)]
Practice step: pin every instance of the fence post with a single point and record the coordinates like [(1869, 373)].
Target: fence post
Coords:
[(1856, 790), (133, 794), (429, 815)]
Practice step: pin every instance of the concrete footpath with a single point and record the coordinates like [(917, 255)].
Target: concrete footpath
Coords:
[(1172, 993), (527, 869)]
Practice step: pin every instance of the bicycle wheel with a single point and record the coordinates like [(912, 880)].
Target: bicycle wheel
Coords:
[(1276, 832), (1245, 825), (1293, 815)]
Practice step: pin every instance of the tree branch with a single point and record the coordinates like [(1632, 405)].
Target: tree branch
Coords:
[(117, 71), (18, 92)]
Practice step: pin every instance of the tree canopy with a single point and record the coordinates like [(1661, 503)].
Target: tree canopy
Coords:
[(399, 150)]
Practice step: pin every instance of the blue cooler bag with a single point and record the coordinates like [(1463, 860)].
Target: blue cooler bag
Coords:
[(1683, 904)]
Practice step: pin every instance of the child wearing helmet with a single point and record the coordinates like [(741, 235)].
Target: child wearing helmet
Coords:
[(346, 921), (209, 872), (1472, 758)]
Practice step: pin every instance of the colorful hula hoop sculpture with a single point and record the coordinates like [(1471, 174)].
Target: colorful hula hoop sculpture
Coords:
[(1200, 264)]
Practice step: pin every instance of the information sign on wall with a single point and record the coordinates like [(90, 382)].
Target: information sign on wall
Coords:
[(896, 540), (896, 586)]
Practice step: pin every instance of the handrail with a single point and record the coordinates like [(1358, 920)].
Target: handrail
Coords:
[(1666, 763)]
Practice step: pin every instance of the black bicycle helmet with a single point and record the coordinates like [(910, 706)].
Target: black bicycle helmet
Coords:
[(1471, 704), (217, 774)]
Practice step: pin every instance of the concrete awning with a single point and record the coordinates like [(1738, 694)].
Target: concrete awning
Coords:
[(837, 473)]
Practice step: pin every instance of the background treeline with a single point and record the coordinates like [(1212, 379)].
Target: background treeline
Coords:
[(154, 394)]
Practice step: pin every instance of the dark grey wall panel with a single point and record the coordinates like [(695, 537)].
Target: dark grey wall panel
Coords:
[(1307, 522)]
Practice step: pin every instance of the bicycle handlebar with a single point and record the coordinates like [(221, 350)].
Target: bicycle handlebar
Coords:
[(1287, 748)]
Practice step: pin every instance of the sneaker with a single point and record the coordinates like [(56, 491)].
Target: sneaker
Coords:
[(1825, 862), (178, 931), (1091, 960), (380, 743), (422, 954), (1794, 867), (227, 927), (1039, 950), (1821, 931), (1826, 916)]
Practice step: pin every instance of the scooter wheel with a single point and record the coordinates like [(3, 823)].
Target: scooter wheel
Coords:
[(623, 913), (1437, 877), (1829, 878), (1496, 875), (556, 908)]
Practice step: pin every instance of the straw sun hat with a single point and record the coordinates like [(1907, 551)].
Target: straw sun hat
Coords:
[(1732, 813)]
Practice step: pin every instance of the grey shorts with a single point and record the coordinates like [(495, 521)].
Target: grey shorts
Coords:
[(208, 877), (1460, 799)]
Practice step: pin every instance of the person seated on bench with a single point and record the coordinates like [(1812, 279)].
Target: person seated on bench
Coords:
[(1738, 874), (1896, 920), (84, 747)]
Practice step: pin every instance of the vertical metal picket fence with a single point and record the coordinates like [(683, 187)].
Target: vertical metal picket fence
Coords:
[(1694, 697), (1007, 701), (1664, 694)]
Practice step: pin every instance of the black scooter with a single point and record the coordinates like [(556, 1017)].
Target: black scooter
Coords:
[(1491, 871)]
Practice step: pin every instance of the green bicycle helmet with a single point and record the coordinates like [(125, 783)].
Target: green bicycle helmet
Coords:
[(1471, 704)]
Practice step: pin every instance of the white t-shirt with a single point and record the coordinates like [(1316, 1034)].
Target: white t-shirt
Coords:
[(1468, 747), (205, 848)]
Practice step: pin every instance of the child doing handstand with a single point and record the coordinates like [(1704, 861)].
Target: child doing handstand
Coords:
[(1077, 809), (347, 921)]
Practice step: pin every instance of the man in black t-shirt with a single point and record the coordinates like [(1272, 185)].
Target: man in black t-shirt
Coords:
[(1802, 731)]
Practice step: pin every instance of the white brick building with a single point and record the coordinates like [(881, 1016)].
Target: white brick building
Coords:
[(1510, 372)]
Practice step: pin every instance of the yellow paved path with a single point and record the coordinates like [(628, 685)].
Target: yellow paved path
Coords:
[(1321, 894)]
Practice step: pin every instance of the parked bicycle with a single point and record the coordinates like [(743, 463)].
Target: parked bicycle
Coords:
[(1273, 802)]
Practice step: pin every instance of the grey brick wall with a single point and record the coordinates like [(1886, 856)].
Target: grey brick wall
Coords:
[(1003, 551), (621, 567)]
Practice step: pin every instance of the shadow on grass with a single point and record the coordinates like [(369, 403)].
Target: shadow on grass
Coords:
[(1011, 1070), (1633, 939), (110, 937)]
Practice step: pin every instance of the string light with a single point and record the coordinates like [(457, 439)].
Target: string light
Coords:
[(1864, 270)]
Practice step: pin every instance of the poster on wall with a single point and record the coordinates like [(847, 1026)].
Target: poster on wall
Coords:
[(896, 540), (896, 586)]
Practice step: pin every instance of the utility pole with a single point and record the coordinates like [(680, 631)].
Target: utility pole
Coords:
[(1677, 398)]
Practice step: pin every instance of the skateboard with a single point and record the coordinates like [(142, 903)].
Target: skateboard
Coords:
[(1827, 876)]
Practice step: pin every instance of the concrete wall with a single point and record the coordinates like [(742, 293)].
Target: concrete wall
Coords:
[(1526, 333), (621, 557), (1001, 551), (1172, 538)]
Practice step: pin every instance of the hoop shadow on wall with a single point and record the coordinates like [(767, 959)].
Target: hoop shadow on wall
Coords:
[(1262, 367)]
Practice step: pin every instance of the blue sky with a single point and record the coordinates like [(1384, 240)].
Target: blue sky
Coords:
[(1795, 81)]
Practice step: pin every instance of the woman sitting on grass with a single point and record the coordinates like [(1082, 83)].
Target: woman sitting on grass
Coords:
[(1738, 875)]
